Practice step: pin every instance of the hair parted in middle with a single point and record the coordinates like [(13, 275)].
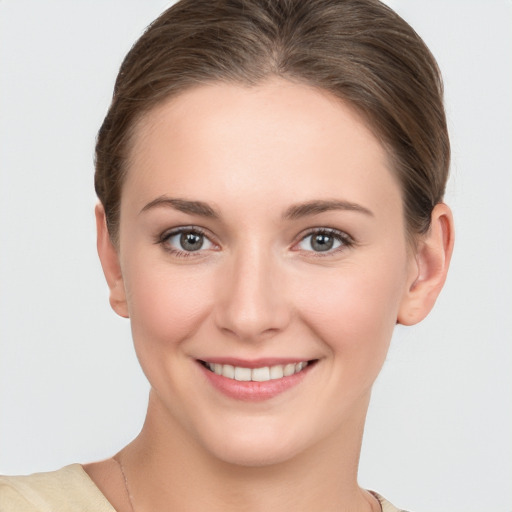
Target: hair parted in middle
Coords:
[(360, 51)]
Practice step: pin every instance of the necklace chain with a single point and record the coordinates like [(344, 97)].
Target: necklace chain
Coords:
[(130, 498), (125, 480)]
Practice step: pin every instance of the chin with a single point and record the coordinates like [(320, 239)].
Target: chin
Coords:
[(255, 454), (254, 444)]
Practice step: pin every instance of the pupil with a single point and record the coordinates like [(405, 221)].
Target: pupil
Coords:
[(191, 241), (322, 242)]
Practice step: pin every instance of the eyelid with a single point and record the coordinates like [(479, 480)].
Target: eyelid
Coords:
[(169, 233), (346, 240)]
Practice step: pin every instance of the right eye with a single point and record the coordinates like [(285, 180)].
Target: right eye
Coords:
[(183, 242)]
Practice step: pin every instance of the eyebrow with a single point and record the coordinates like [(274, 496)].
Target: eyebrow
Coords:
[(183, 205), (292, 213), (319, 206)]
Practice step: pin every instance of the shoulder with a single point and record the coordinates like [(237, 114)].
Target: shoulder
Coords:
[(69, 489), (385, 505)]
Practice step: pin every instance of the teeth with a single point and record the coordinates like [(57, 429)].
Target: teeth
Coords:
[(228, 371), (262, 374), (289, 369), (243, 374), (276, 372)]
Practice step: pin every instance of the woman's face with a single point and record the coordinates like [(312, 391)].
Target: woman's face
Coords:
[(261, 227)]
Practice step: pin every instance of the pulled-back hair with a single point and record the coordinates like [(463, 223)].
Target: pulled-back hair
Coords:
[(358, 50)]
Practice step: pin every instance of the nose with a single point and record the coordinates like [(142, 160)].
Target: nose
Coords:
[(251, 301)]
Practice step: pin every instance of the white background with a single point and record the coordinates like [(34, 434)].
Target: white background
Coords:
[(439, 432)]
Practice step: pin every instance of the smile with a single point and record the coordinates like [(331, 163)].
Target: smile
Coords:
[(262, 374), (255, 381)]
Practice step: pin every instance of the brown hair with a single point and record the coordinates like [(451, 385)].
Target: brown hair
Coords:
[(358, 50)]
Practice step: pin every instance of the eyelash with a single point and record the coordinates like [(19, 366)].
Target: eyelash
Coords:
[(345, 240), (164, 238)]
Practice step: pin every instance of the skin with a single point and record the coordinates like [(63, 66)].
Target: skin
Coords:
[(258, 289)]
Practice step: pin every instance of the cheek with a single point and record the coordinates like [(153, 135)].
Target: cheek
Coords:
[(166, 305), (353, 310)]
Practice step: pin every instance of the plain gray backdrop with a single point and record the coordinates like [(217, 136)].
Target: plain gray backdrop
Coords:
[(438, 436)]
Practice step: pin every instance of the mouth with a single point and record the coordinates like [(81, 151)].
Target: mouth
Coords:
[(257, 374)]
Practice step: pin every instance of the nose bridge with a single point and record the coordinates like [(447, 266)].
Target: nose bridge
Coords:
[(252, 299)]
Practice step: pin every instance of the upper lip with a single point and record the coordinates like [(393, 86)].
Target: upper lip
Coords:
[(254, 363)]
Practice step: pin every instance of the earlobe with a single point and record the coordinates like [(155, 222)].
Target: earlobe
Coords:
[(432, 258), (109, 258)]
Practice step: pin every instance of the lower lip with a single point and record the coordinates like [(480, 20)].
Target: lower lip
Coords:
[(251, 391)]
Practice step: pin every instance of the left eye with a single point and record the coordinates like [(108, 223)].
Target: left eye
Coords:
[(322, 241), (187, 241)]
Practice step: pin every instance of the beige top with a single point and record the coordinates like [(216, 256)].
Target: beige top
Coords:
[(67, 490)]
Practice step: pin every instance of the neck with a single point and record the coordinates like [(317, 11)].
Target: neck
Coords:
[(166, 469)]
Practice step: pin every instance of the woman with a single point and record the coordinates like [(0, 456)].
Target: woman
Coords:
[(270, 176)]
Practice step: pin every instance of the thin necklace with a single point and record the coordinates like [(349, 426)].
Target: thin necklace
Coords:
[(125, 480), (130, 499)]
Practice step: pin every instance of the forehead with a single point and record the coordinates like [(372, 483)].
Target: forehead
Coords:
[(276, 139)]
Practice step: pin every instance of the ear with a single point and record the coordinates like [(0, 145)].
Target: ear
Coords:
[(109, 258), (428, 274)]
